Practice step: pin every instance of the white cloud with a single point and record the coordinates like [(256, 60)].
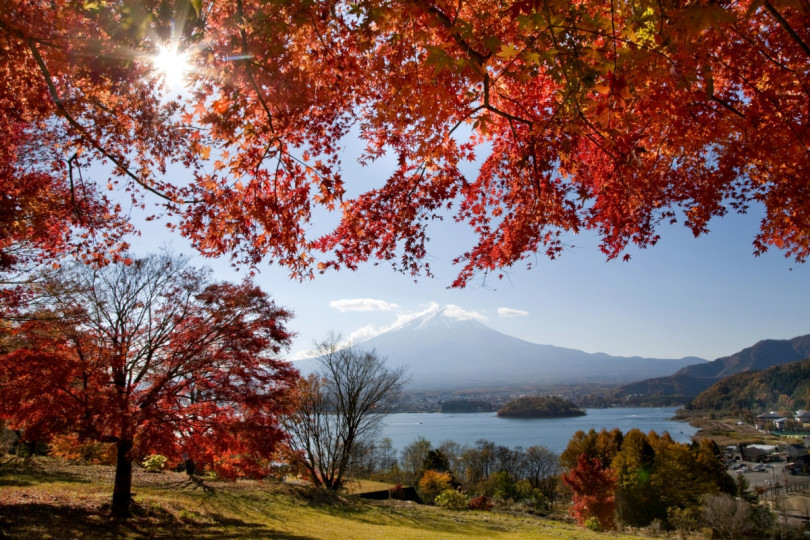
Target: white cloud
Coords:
[(408, 316), (365, 333), (456, 312), (362, 304), (370, 331), (506, 312), (451, 311), (303, 355)]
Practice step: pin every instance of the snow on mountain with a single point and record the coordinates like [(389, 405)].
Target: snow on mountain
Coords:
[(446, 349)]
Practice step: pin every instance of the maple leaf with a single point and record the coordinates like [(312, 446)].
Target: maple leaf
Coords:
[(508, 52), (562, 99)]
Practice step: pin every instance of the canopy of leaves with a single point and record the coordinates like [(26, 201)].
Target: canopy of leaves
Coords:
[(432, 484), (613, 117), (540, 407)]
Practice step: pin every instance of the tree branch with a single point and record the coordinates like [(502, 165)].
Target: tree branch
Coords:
[(784, 24), (445, 21), (494, 109), (57, 100)]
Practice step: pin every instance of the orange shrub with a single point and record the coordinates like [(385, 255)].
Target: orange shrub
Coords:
[(433, 483), (70, 448)]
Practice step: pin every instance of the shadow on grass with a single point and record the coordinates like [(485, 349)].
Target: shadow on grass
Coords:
[(24, 521), (20, 476), (198, 482), (6, 481)]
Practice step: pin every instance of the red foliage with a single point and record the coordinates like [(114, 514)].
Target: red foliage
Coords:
[(594, 492), (613, 117), (482, 502), (155, 359)]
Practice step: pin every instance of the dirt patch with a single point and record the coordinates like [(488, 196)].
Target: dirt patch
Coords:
[(727, 431)]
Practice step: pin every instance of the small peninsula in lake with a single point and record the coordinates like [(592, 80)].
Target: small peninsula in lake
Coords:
[(540, 407)]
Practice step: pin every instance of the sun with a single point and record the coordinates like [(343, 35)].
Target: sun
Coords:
[(172, 64)]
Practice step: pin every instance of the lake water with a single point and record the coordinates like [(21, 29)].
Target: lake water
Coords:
[(553, 433)]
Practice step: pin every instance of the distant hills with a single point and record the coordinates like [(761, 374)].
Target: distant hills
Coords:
[(690, 381), (781, 387), (444, 353)]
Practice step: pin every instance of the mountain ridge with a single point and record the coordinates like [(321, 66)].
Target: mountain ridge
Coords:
[(442, 351), (690, 381)]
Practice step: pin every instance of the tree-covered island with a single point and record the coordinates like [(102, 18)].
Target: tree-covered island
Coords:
[(540, 407)]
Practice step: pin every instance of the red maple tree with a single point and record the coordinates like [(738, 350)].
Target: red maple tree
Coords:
[(154, 358), (613, 117), (594, 492)]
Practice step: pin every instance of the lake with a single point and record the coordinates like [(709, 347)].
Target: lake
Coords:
[(553, 433)]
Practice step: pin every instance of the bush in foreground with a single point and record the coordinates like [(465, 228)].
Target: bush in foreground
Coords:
[(452, 499), (154, 463)]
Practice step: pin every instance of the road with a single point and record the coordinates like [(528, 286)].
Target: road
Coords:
[(769, 477)]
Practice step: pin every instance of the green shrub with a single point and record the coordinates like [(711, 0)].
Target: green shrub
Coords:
[(532, 497), (592, 524), (501, 485), (452, 500), (684, 520), (154, 463)]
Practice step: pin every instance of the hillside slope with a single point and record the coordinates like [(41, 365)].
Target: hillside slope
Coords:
[(57, 500), (775, 388), (692, 380)]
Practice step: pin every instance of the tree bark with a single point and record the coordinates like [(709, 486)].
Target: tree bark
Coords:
[(122, 491), (190, 467)]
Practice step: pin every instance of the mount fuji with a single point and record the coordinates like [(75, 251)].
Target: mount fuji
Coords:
[(443, 352)]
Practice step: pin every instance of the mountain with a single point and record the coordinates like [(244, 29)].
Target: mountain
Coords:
[(692, 380), (758, 391), (444, 352)]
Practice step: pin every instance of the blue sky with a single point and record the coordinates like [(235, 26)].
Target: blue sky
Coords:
[(706, 297)]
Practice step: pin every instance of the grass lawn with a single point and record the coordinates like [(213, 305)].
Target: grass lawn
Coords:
[(726, 431), (52, 499)]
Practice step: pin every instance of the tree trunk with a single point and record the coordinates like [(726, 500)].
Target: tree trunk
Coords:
[(122, 491)]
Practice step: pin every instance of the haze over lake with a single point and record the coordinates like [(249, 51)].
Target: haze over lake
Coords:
[(553, 433)]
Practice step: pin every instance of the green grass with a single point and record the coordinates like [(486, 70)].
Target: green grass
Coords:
[(54, 500)]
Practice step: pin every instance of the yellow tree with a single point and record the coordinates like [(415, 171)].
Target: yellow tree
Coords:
[(637, 503)]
